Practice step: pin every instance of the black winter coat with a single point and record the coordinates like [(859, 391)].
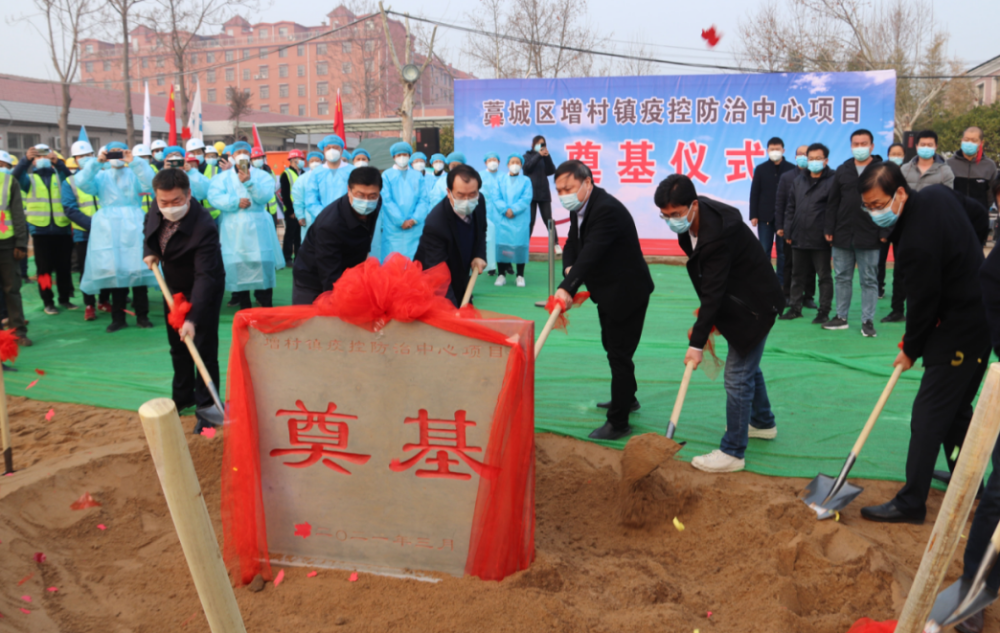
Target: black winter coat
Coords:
[(336, 241), (805, 216), (538, 168), (439, 243), (846, 221), (764, 188)]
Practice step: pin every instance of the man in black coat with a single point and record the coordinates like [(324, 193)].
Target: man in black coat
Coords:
[(455, 231), (945, 323), (805, 219), (181, 235), (603, 252), (854, 237), (339, 238), (763, 197), (784, 192), (740, 296), (538, 166)]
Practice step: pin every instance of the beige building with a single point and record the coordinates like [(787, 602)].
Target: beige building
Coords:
[(988, 87)]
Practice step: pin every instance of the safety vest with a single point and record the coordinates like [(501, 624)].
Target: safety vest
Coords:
[(8, 221), (42, 205), (292, 177), (87, 203), (210, 172), (147, 198), (272, 204)]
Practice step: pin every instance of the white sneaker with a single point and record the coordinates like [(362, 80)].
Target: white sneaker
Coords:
[(558, 250), (520, 282), (501, 281), (763, 434), (718, 462)]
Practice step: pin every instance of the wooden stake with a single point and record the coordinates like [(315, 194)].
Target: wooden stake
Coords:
[(468, 289), (965, 481), (548, 328), (172, 459), (8, 452)]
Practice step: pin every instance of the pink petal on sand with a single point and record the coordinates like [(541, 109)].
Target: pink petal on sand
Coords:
[(31, 384), (208, 432), (51, 414), (23, 610), (354, 576), (53, 589), (39, 557), (26, 598), (311, 574), (279, 577), (101, 526)]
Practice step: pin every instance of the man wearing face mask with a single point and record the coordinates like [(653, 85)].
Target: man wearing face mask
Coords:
[(928, 167), (157, 147), (945, 324), (360, 158), (314, 163), (781, 203), (209, 169), (437, 190), (114, 250), (328, 184), (804, 223), (51, 234), (513, 203), (538, 166), (456, 231), (196, 147), (340, 238), (182, 237), (603, 252), (437, 163), (491, 177), (293, 230), (973, 171), (250, 248), (80, 207), (13, 248), (740, 297), (763, 193), (404, 205), (259, 161), (176, 158), (418, 162)]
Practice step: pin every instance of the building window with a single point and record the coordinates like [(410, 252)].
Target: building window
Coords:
[(369, 45), (90, 66), (282, 52), (265, 92), (159, 62), (263, 32), (90, 49), (346, 68), (145, 62), (980, 93), (283, 108), (321, 49), (21, 141), (230, 74), (370, 25), (302, 90), (265, 108), (194, 59), (211, 76), (246, 91), (302, 111), (210, 58), (369, 65), (246, 53), (323, 108), (346, 48), (107, 85), (159, 80), (211, 95), (321, 68), (347, 88), (302, 71), (348, 108), (263, 72), (246, 74), (230, 55), (283, 91), (263, 53), (229, 32), (283, 31), (322, 88), (300, 50), (283, 70)]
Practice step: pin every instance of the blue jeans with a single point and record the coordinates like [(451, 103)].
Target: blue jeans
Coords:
[(844, 260), (746, 400), (766, 234)]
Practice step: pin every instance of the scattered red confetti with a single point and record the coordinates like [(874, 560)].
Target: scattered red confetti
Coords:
[(26, 598), (51, 414), (25, 579), (52, 589), (354, 576), (190, 617), (312, 574), (31, 384), (303, 529), (129, 312), (39, 557), (85, 501), (709, 614), (711, 36), (101, 526), (23, 610), (280, 577), (208, 432), (40, 372), (495, 121)]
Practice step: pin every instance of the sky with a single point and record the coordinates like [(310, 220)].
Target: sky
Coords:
[(677, 35)]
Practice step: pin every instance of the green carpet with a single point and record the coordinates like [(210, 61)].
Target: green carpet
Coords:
[(822, 385)]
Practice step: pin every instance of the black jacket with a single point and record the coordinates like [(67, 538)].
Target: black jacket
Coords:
[(783, 194), (337, 240), (846, 221), (989, 281), (739, 291), (940, 256), (286, 193), (805, 215), (606, 256), (973, 177), (439, 243), (192, 263), (764, 188), (978, 215), (538, 168)]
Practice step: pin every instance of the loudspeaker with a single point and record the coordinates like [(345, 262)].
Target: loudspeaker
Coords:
[(428, 141)]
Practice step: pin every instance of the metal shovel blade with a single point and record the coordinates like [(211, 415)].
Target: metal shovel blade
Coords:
[(819, 489), (945, 611)]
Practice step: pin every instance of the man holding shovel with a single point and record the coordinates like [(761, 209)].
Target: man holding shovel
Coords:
[(740, 297)]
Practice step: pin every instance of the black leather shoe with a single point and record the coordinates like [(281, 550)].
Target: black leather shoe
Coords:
[(608, 432), (942, 475), (971, 624), (144, 322), (810, 303), (607, 405), (115, 326), (889, 513), (821, 318), (893, 317), (791, 314)]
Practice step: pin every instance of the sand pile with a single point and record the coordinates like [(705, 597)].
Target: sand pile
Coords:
[(750, 553)]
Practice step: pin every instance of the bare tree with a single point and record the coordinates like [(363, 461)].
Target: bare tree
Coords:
[(406, 108), (123, 10), (639, 64), (370, 93), (492, 53), (65, 22), (239, 107)]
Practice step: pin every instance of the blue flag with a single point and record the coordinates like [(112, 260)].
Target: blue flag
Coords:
[(83, 134)]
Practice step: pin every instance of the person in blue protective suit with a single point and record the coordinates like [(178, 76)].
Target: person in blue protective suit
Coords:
[(347, 157), (79, 208), (491, 178), (174, 157), (361, 158), (404, 205), (329, 183), (513, 204), (314, 162), (114, 250), (418, 162), (250, 248), (437, 164), (440, 189)]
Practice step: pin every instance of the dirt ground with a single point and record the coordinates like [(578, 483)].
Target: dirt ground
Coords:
[(750, 554)]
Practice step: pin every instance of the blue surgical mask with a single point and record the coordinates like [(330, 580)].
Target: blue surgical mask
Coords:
[(884, 218), (925, 152), (970, 149), (158, 155), (42, 163), (861, 154), (682, 224), (4, 170), (570, 201), (896, 159), (257, 162), (201, 160), (802, 161), (212, 161), (538, 147), (816, 166), (363, 207)]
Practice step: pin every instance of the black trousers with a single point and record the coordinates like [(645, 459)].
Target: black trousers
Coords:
[(81, 259), (302, 296), (264, 297), (140, 302), (293, 239), (54, 254), (898, 291), (940, 417), (545, 206), (805, 262), (10, 279), (506, 268), (809, 290), (983, 524), (620, 338), (188, 387)]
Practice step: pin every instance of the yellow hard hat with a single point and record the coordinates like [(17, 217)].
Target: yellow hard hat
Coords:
[(219, 147), (59, 156), (14, 160), (71, 163)]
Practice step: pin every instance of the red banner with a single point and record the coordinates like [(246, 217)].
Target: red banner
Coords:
[(171, 118)]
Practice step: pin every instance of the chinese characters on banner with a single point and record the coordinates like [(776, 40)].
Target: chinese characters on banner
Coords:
[(635, 131)]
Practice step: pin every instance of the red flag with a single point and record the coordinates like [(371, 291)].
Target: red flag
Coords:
[(171, 118), (338, 119), (256, 138)]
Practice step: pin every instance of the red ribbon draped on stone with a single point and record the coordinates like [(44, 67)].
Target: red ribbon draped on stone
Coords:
[(562, 321)]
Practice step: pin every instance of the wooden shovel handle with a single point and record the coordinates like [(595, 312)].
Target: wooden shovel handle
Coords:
[(8, 451), (548, 328), (468, 289), (870, 424), (681, 393)]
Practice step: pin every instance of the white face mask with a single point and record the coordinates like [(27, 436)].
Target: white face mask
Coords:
[(242, 158), (419, 165), (258, 162), (360, 163), (492, 165), (402, 161), (514, 169), (438, 167), (174, 214), (116, 163), (332, 155), (775, 155), (314, 165)]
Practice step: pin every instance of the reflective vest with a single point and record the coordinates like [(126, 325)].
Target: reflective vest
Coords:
[(292, 177), (43, 205), (210, 172), (272, 204), (87, 203), (147, 198), (6, 221)]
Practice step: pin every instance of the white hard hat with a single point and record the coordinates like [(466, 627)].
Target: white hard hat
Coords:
[(43, 148), (193, 144), (141, 150), (80, 148), (158, 144), (210, 149), (5, 157)]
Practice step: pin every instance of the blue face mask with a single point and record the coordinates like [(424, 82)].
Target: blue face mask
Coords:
[(970, 149), (861, 154), (538, 147), (802, 161), (201, 160), (925, 152), (212, 161), (4, 170), (158, 155), (682, 224), (816, 166), (42, 163), (884, 218), (896, 159), (363, 207)]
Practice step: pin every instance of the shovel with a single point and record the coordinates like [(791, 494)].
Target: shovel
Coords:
[(468, 289), (964, 598), (828, 496), (556, 311)]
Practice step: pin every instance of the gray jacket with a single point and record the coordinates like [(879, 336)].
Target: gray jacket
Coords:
[(939, 173), (972, 177)]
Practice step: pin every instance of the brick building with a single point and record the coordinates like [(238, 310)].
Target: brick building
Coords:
[(988, 83), (286, 67)]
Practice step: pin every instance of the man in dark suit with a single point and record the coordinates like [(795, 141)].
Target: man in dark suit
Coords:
[(182, 236), (763, 197), (455, 231), (945, 323), (339, 238), (740, 297), (603, 252)]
